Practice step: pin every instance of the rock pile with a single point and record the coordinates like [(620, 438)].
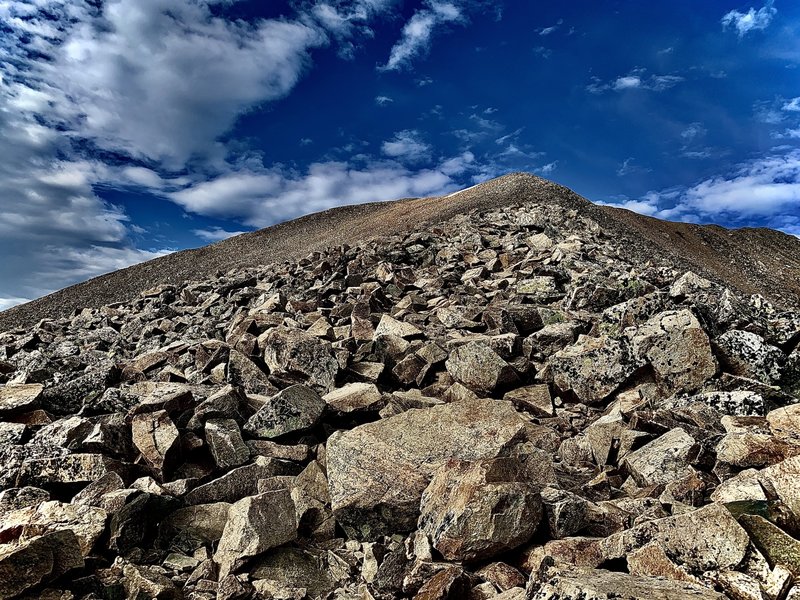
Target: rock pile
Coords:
[(502, 406)]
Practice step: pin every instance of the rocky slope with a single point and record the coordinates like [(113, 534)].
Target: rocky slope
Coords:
[(511, 403), (748, 260)]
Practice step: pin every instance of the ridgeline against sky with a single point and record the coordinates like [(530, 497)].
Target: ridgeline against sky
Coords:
[(132, 128)]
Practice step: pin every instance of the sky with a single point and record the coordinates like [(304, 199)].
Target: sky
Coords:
[(134, 128)]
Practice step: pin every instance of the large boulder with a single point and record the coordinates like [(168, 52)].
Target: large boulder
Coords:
[(37, 561), (664, 459), (678, 349), (478, 509), (294, 352), (296, 408), (592, 368), (157, 438), (377, 472), (746, 354)]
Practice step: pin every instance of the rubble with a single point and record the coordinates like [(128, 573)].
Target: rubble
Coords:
[(499, 406)]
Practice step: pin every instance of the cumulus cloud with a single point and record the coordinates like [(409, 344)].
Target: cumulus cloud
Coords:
[(766, 190), (752, 20), (792, 105), (262, 198), (406, 145), (215, 234), (636, 79), (416, 37), (383, 100)]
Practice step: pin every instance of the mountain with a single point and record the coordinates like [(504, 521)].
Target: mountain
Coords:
[(508, 393), (750, 260)]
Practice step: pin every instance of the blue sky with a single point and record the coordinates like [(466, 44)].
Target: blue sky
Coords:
[(132, 128)]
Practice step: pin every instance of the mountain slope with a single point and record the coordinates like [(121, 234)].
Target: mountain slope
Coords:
[(749, 260)]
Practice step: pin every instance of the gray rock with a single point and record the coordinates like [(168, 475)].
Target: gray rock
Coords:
[(592, 368), (664, 459), (353, 396), (157, 438), (391, 326), (294, 352), (255, 524), (377, 472), (746, 354), (296, 408), (225, 443), (678, 349), (479, 367), (477, 509), (37, 561), (239, 482), (16, 399)]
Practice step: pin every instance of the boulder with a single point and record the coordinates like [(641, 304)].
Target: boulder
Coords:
[(16, 399), (479, 367), (663, 460), (37, 561), (296, 408), (478, 509), (295, 352), (225, 443), (592, 368), (353, 397), (157, 438), (254, 525), (377, 472), (391, 326), (747, 354), (678, 349)]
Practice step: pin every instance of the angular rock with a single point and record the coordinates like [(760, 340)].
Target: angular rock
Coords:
[(225, 443), (157, 438), (16, 399), (535, 399), (746, 354), (664, 459), (597, 584), (239, 482), (592, 368), (290, 570), (777, 546), (678, 349), (478, 509), (72, 469), (377, 472), (352, 397), (479, 367), (296, 408), (255, 524), (391, 326), (294, 352), (37, 561)]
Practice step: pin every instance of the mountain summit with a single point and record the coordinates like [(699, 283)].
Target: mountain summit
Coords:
[(749, 260)]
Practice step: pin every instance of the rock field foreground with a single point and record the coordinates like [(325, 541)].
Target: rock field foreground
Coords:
[(501, 406)]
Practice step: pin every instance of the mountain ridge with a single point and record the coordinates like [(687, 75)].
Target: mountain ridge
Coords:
[(751, 260)]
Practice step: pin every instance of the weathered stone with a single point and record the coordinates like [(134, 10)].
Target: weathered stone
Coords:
[(239, 482), (678, 349), (294, 352), (592, 368), (476, 510), (777, 546), (663, 460), (700, 540), (289, 571), (312, 501), (296, 408), (352, 397), (255, 524), (479, 367), (746, 354), (785, 423), (535, 399), (16, 498), (11, 433), (148, 582), (597, 584), (244, 373), (37, 561), (378, 471), (203, 521), (16, 399), (449, 584), (225, 443), (391, 326), (740, 403), (157, 438), (72, 468)]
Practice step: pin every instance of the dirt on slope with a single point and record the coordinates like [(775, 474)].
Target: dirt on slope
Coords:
[(750, 260)]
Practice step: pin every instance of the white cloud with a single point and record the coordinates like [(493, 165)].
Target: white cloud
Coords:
[(548, 168), (415, 39), (792, 105), (636, 79), (406, 145), (693, 131), (215, 234), (383, 100), (751, 20), (6, 303), (262, 198), (767, 188), (627, 167)]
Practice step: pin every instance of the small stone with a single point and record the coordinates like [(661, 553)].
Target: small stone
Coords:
[(296, 408), (225, 443), (353, 397)]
